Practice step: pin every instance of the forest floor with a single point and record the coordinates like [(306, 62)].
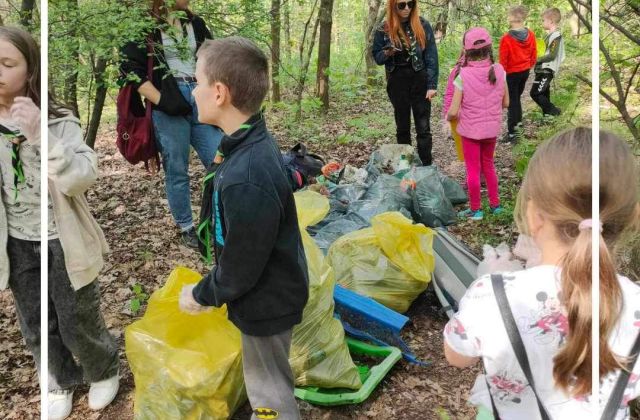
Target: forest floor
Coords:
[(131, 207)]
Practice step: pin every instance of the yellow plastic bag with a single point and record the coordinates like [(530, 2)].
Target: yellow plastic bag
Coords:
[(457, 139), (540, 47), (319, 353), (184, 366), (390, 262)]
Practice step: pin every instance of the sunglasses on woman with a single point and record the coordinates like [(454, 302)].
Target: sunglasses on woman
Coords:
[(402, 5)]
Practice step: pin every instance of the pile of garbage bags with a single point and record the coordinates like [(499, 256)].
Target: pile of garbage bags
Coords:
[(190, 366), (184, 366), (391, 262), (319, 353), (420, 193)]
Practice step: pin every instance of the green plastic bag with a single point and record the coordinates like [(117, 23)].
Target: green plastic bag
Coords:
[(390, 262), (319, 353), (184, 366), (430, 202), (454, 191)]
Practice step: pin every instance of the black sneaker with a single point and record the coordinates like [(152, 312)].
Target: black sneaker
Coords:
[(553, 113), (189, 238)]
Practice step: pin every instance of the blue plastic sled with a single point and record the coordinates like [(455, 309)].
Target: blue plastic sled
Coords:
[(365, 319)]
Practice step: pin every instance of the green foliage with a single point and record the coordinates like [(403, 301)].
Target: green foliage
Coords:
[(10, 16), (139, 298), (83, 32), (443, 414), (619, 71)]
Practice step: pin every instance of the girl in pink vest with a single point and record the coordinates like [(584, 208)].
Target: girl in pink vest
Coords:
[(478, 100)]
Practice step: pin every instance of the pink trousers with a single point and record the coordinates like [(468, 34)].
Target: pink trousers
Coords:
[(478, 158)]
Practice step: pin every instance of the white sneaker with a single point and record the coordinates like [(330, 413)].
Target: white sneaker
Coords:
[(60, 404), (102, 393)]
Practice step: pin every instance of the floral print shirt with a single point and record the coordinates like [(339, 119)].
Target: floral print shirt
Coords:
[(477, 330)]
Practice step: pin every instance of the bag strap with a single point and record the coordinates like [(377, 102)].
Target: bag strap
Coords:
[(497, 281), (617, 393), (496, 415), (148, 106)]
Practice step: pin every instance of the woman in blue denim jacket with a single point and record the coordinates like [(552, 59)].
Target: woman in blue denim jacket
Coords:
[(176, 39), (405, 44)]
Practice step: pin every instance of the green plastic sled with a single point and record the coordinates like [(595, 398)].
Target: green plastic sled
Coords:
[(370, 376)]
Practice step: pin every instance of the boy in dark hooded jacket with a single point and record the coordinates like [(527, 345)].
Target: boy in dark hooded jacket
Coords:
[(261, 272)]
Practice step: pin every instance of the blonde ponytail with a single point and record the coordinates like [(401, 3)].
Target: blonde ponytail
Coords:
[(610, 304), (619, 214), (558, 181), (572, 365), (561, 188)]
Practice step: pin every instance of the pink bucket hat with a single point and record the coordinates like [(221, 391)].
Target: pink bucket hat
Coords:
[(473, 36)]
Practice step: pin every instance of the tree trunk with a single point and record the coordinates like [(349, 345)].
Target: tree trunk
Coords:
[(440, 30), (324, 52), (369, 31), (98, 103), (70, 94), (452, 13), (622, 91), (287, 31), (26, 13), (275, 50), (304, 61)]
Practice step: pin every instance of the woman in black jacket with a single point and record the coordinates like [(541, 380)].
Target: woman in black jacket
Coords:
[(405, 44), (178, 35)]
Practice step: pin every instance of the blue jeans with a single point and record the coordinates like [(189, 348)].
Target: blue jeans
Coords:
[(174, 136)]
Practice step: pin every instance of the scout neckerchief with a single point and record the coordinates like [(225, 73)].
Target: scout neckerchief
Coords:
[(412, 47), (16, 139), (205, 245)]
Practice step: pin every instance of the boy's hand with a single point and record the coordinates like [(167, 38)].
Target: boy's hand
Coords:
[(431, 93), (188, 304)]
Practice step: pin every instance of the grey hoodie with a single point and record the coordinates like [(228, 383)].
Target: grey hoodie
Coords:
[(73, 168), (519, 34)]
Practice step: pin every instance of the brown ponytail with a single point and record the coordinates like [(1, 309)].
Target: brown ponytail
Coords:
[(610, 305), (561, 188), (619, 214), (558, 181), (492, 71), (572, 365)]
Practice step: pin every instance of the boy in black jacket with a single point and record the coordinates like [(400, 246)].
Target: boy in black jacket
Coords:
[(261, 272), (548, 65)]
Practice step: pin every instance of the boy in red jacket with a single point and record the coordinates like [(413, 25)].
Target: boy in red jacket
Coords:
[(518, 55)]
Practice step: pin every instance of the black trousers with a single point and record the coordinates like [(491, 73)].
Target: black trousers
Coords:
[(541, 93), (24, 281), (407, 91), (76, 328), (515, 83)]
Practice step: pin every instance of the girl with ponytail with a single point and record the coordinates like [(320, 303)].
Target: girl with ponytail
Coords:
[(551, 303)]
